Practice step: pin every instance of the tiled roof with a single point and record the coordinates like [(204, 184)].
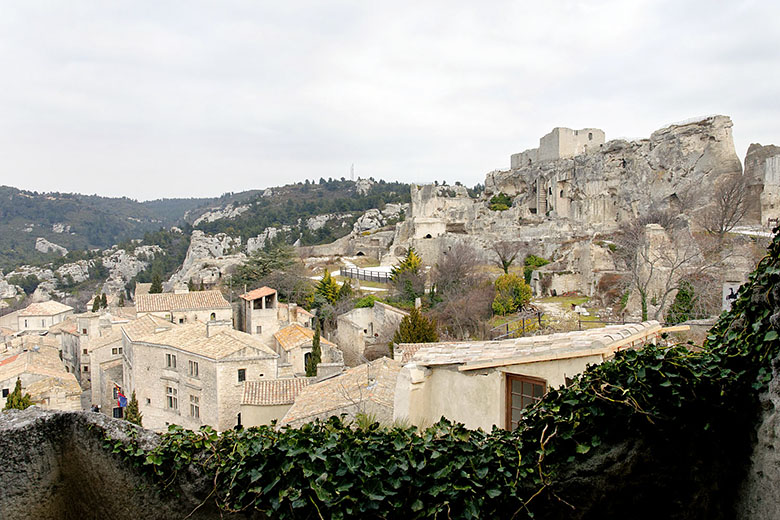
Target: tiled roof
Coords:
[(192, 337), (273, 391), (109, 337), (404, 352), (66, 325), (144, 325), (163, 302), (49, 308), (65, 382), (374, 382), (45, 362), (295, 335), (5, 331), (301, 312), (258, 293), (525, 349)]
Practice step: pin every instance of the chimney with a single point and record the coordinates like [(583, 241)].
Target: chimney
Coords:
[(293, 310), (214, 327)]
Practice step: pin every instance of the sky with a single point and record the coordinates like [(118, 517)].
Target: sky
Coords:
[(191, 98)]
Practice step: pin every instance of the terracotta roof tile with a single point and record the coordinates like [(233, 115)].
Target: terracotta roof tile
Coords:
[(274, 391), (193, 337), (258, 293), (164, 302), (295, 335), (372, 383), (49, 308)]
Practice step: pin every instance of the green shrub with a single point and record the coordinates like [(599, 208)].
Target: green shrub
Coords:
[(500, 202)]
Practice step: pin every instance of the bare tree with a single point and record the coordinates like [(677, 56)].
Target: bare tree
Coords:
[(728, 206), (456, 268), (506, 254)]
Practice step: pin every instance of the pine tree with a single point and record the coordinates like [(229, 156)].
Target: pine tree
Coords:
[(410, 264), (132, 414), (103, 301), (202, 286), (96, 303), (191, 286), (16, 399), (122, 298), (415, 328), (327, 288), (156, 287), (316, 353)]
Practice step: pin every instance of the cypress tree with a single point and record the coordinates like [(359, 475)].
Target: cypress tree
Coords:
[(416, 328), (156, 287), (103, 301), (16, 399), (316, 353), (132, 414), (96, 303), (122, 298)]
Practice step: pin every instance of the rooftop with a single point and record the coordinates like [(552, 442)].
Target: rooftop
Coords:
[(49, 308), (144, 325), (44, 362), (163, 302), (482, 354), (295, 335), (193, 338), (258, 293), (374, 381), (273, 391)]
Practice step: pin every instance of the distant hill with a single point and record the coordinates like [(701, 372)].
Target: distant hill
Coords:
[(293, 205), (78, 222)]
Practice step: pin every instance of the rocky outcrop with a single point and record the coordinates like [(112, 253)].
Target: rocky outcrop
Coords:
[(54, 465), (123, 266), (59, 227), (229, 211), (209, 257), (374, 219), (762, 172), (260, 241), (44, 246)]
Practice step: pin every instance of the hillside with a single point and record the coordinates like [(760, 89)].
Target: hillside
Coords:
[(77, 222)]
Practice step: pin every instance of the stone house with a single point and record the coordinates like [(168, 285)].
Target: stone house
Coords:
[(364, 334), (269, 400), (365, 389), (181, 308), (191, 374), (105, 362), (261, 314), (38, 317), (43, 376), (487, 383), (294, 343)]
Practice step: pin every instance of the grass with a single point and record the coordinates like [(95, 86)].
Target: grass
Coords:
[(365, 261)]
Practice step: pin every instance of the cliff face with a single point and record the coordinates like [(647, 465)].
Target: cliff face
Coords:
[(599, 189)]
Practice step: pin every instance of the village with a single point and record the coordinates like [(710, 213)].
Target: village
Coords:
[(530, 285)]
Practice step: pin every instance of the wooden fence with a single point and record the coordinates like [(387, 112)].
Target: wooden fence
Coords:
[(365, 275)]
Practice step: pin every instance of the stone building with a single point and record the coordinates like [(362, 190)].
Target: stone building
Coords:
[(487, 383), (294, 344), (181, 308), (267, 401), (43, 376), (191, 374), (364, 334), (261, 314), (38, 317), (106, 369), (762, 172), (366, 389), (560, 143)]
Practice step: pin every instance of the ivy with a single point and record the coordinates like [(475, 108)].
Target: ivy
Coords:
[(330, 469)]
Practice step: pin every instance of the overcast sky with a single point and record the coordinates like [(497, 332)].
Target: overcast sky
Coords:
[(177, 99)]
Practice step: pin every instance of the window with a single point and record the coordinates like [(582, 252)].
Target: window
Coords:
[(259, 329), (5, 392), (241, 375), (590, 136), (86, 368), (181, 320), (43, 323), (116, 393), (116, 351), (25, 324), (521, 392), (193, 369), (83, 331), (117, 413), (213, 316), (195, 406), (170, 360), (173, 398), (148, 401)]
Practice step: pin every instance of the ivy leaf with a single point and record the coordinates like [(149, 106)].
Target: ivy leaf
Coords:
[(583, 448), (770, 336)]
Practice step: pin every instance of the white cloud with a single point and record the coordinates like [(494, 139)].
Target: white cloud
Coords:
[(198, 98)]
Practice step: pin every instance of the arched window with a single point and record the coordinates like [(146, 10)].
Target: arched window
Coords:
[(428, 236), (561, 193), (213, 316)]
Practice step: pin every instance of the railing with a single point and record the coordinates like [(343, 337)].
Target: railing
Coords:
[(517, 327), (365, 275)]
